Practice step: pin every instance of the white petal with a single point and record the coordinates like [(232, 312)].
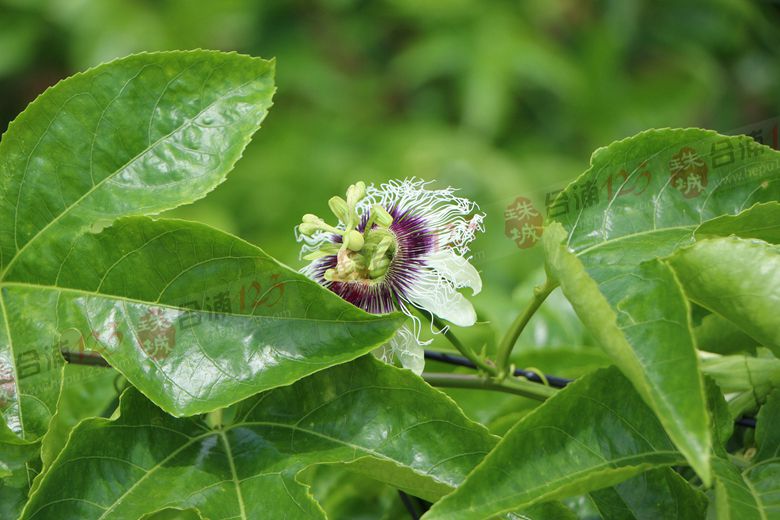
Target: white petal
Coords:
[(456, 268), (406, 349), (445, 302)]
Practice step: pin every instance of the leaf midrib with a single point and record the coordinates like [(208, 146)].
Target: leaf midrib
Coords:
[(233, 474), (646, 390), (187, 122), (611, 241), (573, 478), (755, 494), (222, 432)]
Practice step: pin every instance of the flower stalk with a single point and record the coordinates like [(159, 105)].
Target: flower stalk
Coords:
[(466, 351), (510, 338)]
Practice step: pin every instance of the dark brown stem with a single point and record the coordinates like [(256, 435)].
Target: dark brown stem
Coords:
[(84, 358)]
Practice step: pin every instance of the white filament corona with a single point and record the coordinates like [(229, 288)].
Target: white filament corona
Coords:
[(432, 230)]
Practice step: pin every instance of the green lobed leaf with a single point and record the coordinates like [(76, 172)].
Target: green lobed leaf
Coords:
[(363, 412), (18, 459), (753, 493), (761, 221), (345, 494), (135, 136), (739, 497), (644, 169), (595, 433), (741, 373), (172, 513), (640, 316), (718, 335), (642, 199), (738, 279), (767, 433), (87, 391), (658, 493), (722, 422), (194, 318)]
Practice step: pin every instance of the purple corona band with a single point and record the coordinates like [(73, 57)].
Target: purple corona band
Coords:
[(414, 241)]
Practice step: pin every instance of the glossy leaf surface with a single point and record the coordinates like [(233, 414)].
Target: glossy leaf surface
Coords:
[(767, 433), (135, 136), (718, 335), (658, 493), (87, 391), (639, 315), (738, 279), (18, 459), (365, 413), (660, 186), (662, 492), (753, 493), (761, 221), (595, 433), (208, 319)]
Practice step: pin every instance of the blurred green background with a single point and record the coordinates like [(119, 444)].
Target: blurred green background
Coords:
[(501, 99)]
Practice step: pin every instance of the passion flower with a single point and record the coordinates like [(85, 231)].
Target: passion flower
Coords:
[(397, 246)]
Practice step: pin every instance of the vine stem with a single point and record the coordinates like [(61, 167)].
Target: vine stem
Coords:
[(463, 349), (85, 358), (510, 385), (510, 338)]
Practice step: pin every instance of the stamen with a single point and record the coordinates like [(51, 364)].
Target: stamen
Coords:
[(340, 208)]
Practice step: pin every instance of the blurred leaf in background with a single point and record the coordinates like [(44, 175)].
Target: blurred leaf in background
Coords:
[(502, 100)]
